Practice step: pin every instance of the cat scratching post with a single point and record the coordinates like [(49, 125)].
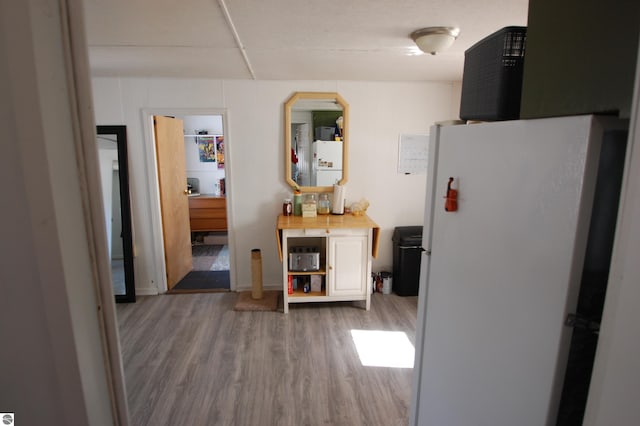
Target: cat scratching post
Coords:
[(255, 300), (256, 274)]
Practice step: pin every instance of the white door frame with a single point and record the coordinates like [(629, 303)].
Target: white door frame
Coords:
[(151, 172)]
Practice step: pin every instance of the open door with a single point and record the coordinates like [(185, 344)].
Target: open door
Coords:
[(174, 204)]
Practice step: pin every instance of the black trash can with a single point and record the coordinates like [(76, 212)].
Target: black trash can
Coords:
[(407, 252)]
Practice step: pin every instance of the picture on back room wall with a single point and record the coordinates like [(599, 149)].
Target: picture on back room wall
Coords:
[(220, 151), (207, 149)]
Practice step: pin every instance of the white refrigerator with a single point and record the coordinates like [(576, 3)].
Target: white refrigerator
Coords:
[(500, 275), (327, 163)]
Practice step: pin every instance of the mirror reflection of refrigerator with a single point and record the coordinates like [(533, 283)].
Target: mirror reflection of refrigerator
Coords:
[(327, 163)]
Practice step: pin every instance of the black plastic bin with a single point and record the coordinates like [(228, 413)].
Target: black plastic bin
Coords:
[(492, 77), (407, 251)]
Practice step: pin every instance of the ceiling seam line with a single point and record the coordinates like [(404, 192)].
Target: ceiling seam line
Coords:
[(232, 27)]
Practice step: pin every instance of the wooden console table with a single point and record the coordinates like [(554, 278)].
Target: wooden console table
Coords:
[(346, 245)]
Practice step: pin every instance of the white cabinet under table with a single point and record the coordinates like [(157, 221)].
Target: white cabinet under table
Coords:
[(346, 244)]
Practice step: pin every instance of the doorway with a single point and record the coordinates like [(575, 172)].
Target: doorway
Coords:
[(204, 139), (206, 165)]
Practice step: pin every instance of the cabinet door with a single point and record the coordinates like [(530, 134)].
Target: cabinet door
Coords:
[(347, 265)]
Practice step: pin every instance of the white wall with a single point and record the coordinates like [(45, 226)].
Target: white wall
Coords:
[(614, 392), (53, 354), (379, 113)]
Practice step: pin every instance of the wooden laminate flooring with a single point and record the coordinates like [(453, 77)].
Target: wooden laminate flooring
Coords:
[(192, 360)]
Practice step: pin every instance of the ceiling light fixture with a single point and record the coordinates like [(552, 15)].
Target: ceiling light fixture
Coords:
[(435, 39)]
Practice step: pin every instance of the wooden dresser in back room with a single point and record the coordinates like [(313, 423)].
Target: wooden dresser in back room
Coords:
[(208, 213)]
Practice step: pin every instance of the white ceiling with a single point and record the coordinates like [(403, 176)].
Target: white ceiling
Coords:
[(286, 39)]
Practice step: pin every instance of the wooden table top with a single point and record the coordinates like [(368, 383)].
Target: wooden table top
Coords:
[(329, 221), (325, 221)]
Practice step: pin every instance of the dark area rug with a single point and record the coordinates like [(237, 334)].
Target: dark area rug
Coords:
[(208, 257), (203, 281)]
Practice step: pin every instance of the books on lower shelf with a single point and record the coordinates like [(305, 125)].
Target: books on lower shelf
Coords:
[(308, 283)]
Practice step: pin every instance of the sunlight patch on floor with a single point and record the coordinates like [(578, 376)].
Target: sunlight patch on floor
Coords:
[(378, 348)]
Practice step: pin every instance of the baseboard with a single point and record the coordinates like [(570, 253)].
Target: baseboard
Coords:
[(149, 291), (146, 291), (274, 287), (216, 239)]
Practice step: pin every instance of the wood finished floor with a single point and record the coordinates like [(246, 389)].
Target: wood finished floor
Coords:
[(192, 360)]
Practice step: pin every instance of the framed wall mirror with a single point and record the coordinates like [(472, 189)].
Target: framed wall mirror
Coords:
[(316, 133), (114, 177)]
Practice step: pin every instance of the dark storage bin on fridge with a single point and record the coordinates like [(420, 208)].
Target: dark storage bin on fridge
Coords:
[(407, 251), (492, 77)]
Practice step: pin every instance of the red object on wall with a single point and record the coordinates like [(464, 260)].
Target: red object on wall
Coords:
[(451, 200)]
